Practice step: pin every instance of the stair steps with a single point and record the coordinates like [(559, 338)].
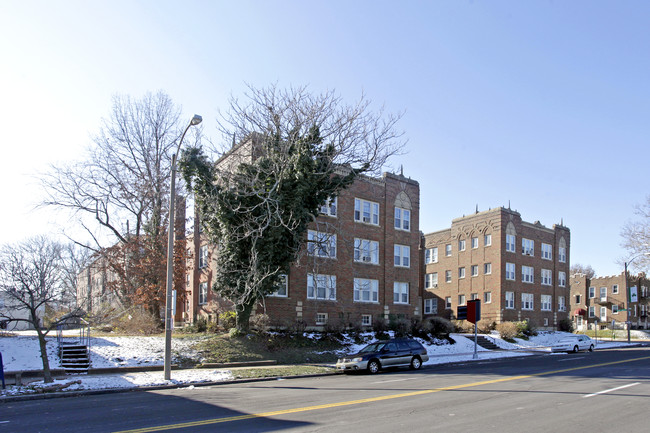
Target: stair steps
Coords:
[(75, 358)]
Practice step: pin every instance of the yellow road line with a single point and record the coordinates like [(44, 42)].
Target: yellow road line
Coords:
[(366, 400)]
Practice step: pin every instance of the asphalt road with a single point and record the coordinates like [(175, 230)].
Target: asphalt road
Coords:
[(606, 390)]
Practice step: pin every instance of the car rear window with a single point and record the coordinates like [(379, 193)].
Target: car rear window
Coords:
[(415, 345)]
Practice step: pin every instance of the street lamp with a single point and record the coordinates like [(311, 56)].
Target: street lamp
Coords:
[(169, 320), (627, 293)]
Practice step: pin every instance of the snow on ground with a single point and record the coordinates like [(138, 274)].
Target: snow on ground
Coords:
[(21, 353)]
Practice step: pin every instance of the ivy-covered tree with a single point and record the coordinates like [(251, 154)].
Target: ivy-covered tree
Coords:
[(295, 151)]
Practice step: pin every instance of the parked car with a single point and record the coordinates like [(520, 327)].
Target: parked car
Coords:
[(574, 343), (398, 352)]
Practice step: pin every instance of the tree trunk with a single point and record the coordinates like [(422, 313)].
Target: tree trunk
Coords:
[(47, 375), (243, 314)]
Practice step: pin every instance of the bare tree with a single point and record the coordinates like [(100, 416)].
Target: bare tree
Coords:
[(74, 259), (636, 236), (577, 268), (31, 278)]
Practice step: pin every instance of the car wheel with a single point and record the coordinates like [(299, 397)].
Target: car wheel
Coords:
[(591, 348), (416, 363), (575, 349), (373, 366)]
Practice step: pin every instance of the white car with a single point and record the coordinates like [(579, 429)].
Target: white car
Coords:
[(574, 344)]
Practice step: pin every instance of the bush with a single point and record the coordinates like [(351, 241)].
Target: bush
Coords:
[(565, 325), (380, 328), (507, 330), (260, 322), (235, 333), (138, 322), (228, 319), (526, 329), (438, 327)]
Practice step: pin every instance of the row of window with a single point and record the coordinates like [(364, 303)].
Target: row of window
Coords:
[(603, 292), (642, 311), (527, 275), (527, 248), (322, 318), (368, 212), (365, 251), (527, 302)]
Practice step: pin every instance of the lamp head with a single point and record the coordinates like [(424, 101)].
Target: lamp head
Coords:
[(196, 120)]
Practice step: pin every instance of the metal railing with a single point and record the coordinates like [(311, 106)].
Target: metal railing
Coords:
[(84, 332)]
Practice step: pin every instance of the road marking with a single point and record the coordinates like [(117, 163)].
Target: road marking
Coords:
[(570, 359), (366, 400), (397, 380), (610, 390)]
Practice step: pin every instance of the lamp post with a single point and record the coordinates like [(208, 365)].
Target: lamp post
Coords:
[(169, 320), (627, 294)]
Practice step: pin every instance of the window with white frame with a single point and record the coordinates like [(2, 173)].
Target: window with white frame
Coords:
[(461, 245), (487, 268), (431, 306), (547, 277), (282, 287), (321, 244), (510, 271), (474, 242), (547, 251), (448, 303), (487, 240), (400, 293), (527, 274), (615, 289), (510, 300), (431, 280), (203, 257), (561, 279), (546, 302), (592, 292), (366, 211), (603, 293), (644, 291), (448, 250), (578, 299), (320, 286), (474, 270), (487, 297), (366, 290), (603, 314), (614, 308), (562, 254), (431, 255), (510, 243), (461, 299), (366, 251), (461, 272), (366, 320), (527, 301), (561, 303), (402, 219), (527, 247), (592, 312), (473, 296), (329, 207), (203, 293), (402, 256), (321, 318), (447, 276)]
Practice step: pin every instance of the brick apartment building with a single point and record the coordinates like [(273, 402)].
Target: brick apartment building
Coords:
[(517, 269), (603, 301), (360, 261)]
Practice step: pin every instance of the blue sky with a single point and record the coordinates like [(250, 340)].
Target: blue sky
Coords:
[(541, 104)]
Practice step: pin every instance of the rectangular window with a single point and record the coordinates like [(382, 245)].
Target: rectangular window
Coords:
[(487, 240), (366, 251), (547, 251), (592, 312), (615, 289), (203, 257), (447, 276), (473, 296), (487, 297), (431, 281), (614, 309), (474, 243), (431, 306), (329, 207), (366, 211), (487, 268), (603, 314), (592, 292), (282, 287), (321, 286), (546, 302), (547, 277), (402, 256), (510, 271), (461, 299), (431, 255), (402, 219), (203, 293), (561, 279), (461, 272), (366, 290), (561, 304), (510, 243), (527, 247), (510, 300), (562, 254), (321, 318), (366, 320), (400, 293), (448, 302), (461, 245), (474, 270), (578, 299), (527, 301), (448, 250), (527, 274), (321, 244), (603, 293)]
